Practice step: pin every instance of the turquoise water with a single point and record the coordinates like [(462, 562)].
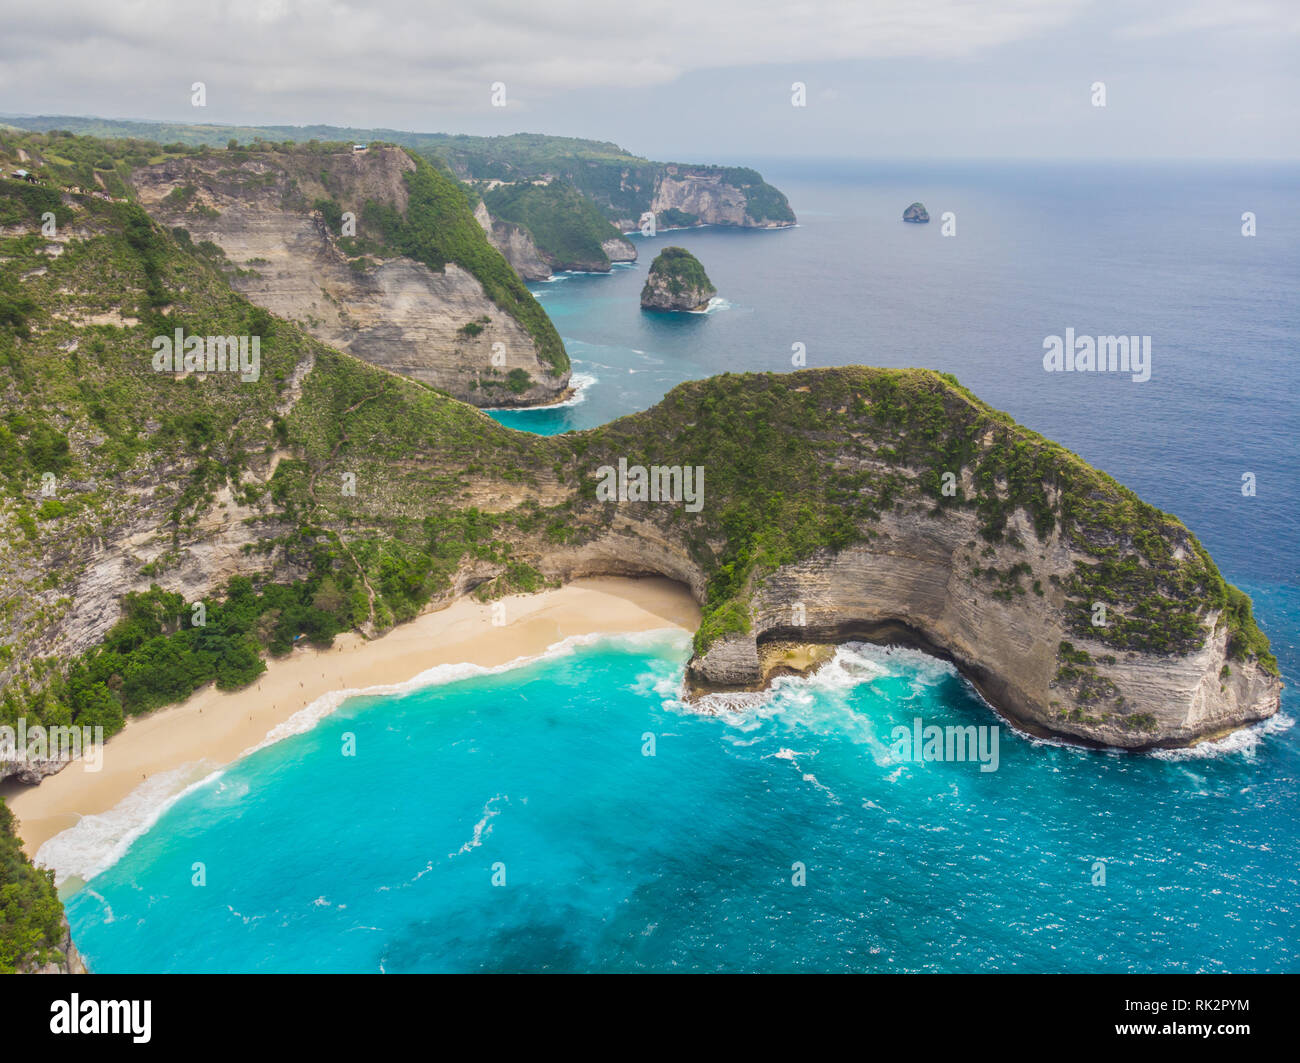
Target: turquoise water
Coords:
[(618, 861), (684, 861)]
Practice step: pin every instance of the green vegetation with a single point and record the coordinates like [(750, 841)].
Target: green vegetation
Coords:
[(332, 212), (566, 226), (1078, 672), (672, 218), (94, 164), (215, 432), (438, 228), (31, 926), (622, 185), (682, 273)]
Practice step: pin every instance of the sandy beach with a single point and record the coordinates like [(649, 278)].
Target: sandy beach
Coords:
[(213, 728)]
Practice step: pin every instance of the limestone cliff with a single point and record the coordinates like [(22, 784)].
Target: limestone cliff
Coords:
[(618, 249), (327, 493), (263, 209), (716, 195), (894, 506), (676, 281), (553, 221), (533, 264), (916, 585), (515, 243)]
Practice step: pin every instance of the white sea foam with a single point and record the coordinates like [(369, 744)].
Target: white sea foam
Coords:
[(483, 828), (441, 674), (818, 703), (95, 843), (852, 664), (807, 776), (580, 382), (1245, 741), (715, 304), (109, 917)]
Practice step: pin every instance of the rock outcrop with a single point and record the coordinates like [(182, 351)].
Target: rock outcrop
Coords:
[(618, 249), (260, 209), (515, 243), (916, 213), (67, 960), (677, 281)]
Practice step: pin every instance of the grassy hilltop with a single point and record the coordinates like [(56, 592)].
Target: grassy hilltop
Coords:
[(618, 182)]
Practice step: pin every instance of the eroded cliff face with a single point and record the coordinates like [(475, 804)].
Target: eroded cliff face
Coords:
[(659, 294), (1001, 572), (619, 250), (531, 263), (915, 585), (437, 327), (706, 193), (228, 538), (515, 243)]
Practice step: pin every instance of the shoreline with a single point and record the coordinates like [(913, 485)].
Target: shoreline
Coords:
[(214, 728)]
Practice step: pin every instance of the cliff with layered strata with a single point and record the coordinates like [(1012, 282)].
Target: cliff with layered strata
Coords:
[(516, 243), (278, 217), (894, 506), (719, 195)]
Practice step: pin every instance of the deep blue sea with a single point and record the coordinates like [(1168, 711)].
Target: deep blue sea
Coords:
[(608, 859)]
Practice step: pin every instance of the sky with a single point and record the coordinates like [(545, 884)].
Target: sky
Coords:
[(701, 79)]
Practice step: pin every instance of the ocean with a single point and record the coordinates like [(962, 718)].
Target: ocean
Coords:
[(514, 820)]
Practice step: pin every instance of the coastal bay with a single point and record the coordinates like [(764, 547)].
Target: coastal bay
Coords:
[(213, 727)]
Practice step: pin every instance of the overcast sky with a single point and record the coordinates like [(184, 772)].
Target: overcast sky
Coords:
[(698, 79)]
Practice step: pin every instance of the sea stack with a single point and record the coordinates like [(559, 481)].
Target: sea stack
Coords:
[(677, 281), (916, 212)]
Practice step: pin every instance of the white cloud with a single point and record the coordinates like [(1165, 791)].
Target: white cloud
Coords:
[(1204, 16), (447, 54)]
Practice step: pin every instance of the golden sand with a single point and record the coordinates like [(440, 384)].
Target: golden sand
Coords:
[(213, 728)]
